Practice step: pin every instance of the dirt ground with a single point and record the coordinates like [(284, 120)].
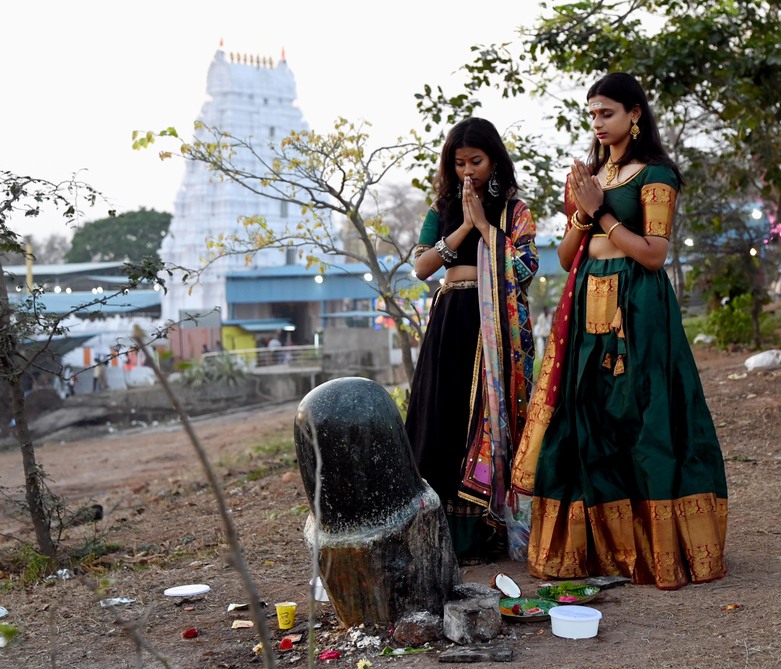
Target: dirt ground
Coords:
[(161, 529)]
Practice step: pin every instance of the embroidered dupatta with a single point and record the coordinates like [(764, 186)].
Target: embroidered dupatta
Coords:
[(548, 387), (505, 267)]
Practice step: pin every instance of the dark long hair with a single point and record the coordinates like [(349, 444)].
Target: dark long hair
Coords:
[(647, 148), (475, 133)]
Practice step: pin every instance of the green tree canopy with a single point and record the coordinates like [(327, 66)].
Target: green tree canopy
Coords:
[(126, 237), (711, 71)]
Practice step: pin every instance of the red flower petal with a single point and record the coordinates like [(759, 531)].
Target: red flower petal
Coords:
[(190, 633), (330, 655), (286, 644)]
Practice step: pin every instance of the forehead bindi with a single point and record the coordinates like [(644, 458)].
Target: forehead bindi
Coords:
[(599, 104)]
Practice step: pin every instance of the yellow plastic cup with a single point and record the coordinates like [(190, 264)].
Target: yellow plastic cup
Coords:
[(286, 614)]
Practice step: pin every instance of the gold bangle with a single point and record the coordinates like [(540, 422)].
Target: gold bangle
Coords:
[(575, 221), (613, 227)]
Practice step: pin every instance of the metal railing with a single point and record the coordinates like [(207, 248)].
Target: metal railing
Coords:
[(266, 360)]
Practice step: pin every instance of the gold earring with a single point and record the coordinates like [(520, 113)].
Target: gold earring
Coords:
[(634, 130)]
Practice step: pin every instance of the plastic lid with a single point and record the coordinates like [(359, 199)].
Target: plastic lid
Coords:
[(575, 613), (187, 590)]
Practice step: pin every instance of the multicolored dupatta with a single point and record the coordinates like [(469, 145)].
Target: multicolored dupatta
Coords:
[(546, 391), (503, 267)]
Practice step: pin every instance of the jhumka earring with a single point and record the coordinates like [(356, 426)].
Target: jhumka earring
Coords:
[(459, 192), (634, 130), (493, 185)]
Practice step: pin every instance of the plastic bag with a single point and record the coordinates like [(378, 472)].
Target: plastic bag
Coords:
[(517, 516), (765, 360)]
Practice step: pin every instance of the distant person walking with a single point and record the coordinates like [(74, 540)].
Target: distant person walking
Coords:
[(541, 330), (99, 375)]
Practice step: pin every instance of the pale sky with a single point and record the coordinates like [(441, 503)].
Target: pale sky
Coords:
[(80, 76)]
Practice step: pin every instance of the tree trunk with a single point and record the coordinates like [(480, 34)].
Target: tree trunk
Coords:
[(406, 352), (33, 474), (756, 310)]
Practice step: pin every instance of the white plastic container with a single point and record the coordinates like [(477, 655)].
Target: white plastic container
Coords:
[(574, 622)]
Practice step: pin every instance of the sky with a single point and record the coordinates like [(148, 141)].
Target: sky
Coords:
[(80, 76)]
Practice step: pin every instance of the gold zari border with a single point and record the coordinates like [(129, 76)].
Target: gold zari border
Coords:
[(658, 202), (667, 543)]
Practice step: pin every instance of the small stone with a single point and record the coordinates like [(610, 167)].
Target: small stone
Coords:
[(606, 582), (417, 629), (471, 654)]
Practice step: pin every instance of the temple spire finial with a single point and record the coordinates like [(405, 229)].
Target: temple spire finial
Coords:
[(283, 54)]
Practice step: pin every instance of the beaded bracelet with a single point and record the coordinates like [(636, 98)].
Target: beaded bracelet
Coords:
[(575, 221), (445, 252)]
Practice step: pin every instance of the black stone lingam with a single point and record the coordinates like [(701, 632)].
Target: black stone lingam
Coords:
[(383, 543)]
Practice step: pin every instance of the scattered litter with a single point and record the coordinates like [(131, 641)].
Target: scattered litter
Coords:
[(257, 648), (286, 644), (237, 607), (320, 594), (190, 633), (294, 638), (732, 607), (737, 377), (358, 637), (363, 663), (187, 590), (329, 655), (702, 338), (3, 612), (61, 574), (242, 624), (114, 601)]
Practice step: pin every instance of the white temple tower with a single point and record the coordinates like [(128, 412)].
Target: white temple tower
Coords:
[(248, 97)]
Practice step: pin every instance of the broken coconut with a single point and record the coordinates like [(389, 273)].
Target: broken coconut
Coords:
[(504, 584)]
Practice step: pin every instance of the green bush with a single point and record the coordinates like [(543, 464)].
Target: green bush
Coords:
[(222, 369), (731, 323)]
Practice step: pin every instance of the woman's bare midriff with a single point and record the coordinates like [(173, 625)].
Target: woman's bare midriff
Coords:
[(601, 248), (461, 273)]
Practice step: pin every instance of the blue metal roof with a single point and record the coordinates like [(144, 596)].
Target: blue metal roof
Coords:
[(63, 269), (296, 283), (61, 303)]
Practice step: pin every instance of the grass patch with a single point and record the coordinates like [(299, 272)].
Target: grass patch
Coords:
[(276, 443)]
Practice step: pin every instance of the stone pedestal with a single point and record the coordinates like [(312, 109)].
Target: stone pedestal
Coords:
[(383, 543)]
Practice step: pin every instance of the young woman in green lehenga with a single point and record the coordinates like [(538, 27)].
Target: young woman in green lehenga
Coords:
[(472, 380), (619, 452)]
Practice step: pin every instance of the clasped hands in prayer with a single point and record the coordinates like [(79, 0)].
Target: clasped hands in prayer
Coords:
[(587, 190), (473, 208)]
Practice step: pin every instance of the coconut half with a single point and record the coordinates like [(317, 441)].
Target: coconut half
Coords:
[(504, 584)]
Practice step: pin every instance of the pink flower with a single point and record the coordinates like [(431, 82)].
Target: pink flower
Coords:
[(568, 599)]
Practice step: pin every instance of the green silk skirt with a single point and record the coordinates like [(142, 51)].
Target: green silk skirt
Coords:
[(630, 479)]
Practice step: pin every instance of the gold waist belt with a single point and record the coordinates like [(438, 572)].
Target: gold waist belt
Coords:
[(458, 285)]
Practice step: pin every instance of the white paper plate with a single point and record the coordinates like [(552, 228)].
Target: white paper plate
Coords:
[(187, 590), (3, 612)]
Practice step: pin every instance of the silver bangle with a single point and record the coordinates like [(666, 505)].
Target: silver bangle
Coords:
[(445, 252)]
